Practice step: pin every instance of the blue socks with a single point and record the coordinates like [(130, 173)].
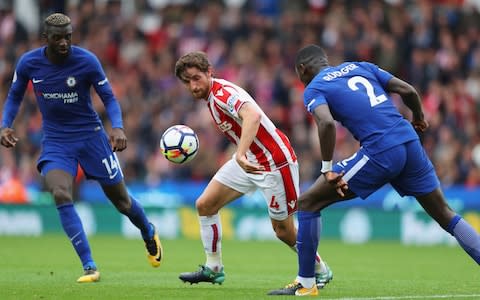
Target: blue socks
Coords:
[(72, 225), (139, 219), (309, 229), (466, 236)]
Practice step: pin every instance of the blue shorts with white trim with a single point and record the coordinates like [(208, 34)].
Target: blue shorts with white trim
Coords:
[(406, 167)]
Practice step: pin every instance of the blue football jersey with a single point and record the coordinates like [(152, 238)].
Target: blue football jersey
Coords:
[(355, 94), (63, 93)]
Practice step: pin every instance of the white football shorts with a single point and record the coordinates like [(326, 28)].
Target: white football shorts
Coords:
[(280, 187)]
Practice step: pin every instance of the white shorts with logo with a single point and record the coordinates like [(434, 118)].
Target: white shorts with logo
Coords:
[(280, 187)]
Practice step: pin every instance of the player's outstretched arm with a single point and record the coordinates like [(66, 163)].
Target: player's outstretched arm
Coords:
[(411, 99)]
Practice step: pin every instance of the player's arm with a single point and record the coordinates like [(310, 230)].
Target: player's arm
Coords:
[(250, 123), (326, 131), (327, 135), (12, 105), (118, 139), (411, 99)]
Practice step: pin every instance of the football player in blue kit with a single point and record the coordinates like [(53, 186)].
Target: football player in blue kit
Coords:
[(62, 76), (356, 94)]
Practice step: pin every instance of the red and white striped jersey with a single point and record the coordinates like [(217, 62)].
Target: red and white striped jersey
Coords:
[(270, 148)]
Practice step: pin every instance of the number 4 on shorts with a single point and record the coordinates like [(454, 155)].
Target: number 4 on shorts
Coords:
[(273, 203)]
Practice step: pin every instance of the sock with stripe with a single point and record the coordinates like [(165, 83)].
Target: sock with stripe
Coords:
[(309, 228), (72, 225), (211, 234), (466, 236)]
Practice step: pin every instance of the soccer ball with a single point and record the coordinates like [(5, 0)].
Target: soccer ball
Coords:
[(179, 144)]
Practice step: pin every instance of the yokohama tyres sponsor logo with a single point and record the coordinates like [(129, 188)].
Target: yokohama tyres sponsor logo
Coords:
[(71, 97)]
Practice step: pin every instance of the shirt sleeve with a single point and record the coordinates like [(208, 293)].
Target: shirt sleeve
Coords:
[(313, 98), (15, 94), (230, 100), (382, 75), (104, 90)]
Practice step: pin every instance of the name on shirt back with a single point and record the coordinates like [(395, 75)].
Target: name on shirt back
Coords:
[(343, 71)]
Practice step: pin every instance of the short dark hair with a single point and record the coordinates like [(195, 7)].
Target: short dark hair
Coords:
[(57, 19), (311, 55), (196, 59)]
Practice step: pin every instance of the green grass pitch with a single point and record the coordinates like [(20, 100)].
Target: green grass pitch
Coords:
[(46, 268)]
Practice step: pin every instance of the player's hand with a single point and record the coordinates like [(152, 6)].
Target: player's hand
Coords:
[(7, 137), (118, 139), (248, 166), (337, 181), (420, 125)]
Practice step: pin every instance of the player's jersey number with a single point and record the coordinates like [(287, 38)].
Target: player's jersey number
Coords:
[(359, 80), (111, 165)]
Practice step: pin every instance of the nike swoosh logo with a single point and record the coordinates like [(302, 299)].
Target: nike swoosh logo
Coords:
[(102, 82), (291, 204), (113, 175), (36, 80)]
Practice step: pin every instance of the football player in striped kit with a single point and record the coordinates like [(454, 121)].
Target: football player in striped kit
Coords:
[(264, 160)]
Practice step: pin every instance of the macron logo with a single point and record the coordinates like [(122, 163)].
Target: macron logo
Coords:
[(292, 204), (36, 80), (102, 82)]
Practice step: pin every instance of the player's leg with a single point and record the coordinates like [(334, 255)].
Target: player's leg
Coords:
[(286, 232), (309, 232), (215, 196), (319, 196), (228, 184), (58, 165), (310, 229), (59, 183), (420, 180), (281, 189), (99, 162), (435, 205), (127, 205)]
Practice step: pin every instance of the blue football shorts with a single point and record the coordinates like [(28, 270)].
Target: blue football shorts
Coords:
[(406, 167), (94, 155)]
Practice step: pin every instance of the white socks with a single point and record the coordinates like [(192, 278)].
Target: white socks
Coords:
[(211, 234)]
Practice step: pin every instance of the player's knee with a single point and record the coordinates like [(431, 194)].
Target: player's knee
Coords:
[(204, 208), (61, 195), (283, 231)]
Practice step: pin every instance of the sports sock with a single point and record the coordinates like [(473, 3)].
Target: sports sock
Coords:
[(319, 264), (307, 282), (211, 234), (466, 236), (139, 219), (309, 228), (72, 225)]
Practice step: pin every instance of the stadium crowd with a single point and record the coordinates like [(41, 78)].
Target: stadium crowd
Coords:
[(434, 45)]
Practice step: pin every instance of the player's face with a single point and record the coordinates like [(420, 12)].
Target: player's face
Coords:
[(59, 40), (197, 82)]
